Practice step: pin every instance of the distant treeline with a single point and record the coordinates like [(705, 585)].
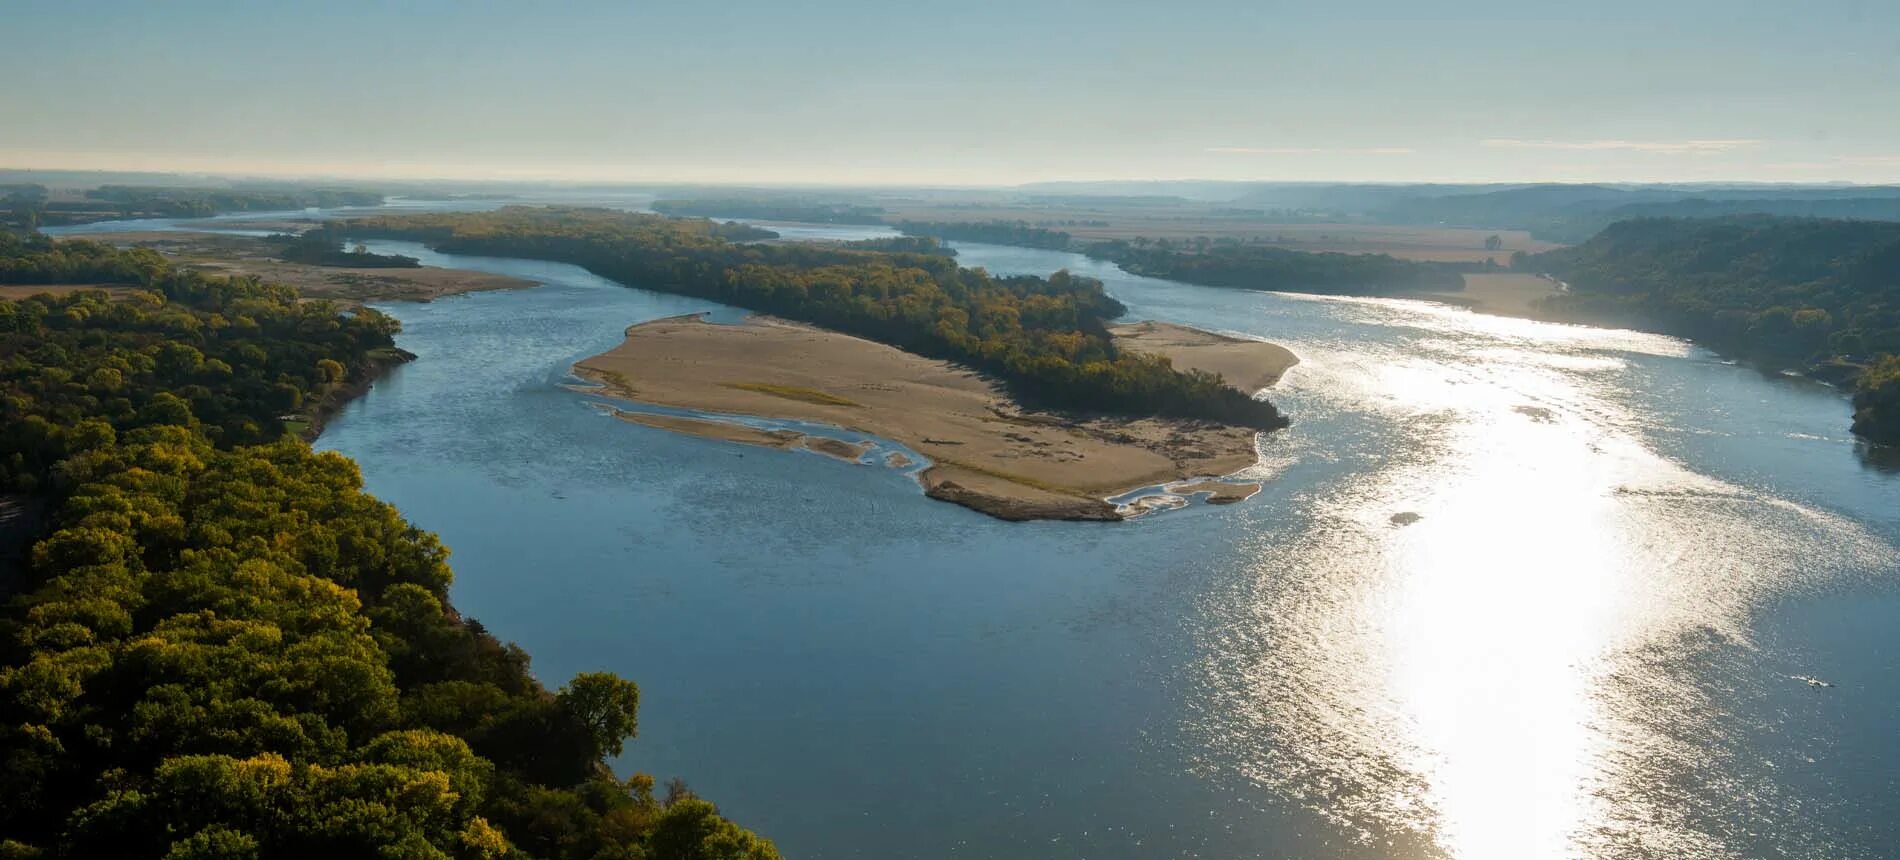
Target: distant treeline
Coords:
[(1018, 233), (1574, 213), (1263, 267), (320, 250), (1579, 228), (192, 202), (1220, 262), (28, 207), (902, 245), (1814, 294), (225, 648), (1043, 338), (768, 209)]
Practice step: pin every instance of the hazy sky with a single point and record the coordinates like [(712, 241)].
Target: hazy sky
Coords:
[(961, 92)]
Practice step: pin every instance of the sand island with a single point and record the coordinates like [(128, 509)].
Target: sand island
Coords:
[(986, 451)]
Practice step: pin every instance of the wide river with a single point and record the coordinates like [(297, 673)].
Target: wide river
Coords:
[(1595, 637)]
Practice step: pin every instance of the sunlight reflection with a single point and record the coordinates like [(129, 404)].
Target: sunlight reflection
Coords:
[(1481, 644)]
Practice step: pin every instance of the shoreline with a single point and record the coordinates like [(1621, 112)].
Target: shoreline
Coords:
[(984, 450), (330, 406)]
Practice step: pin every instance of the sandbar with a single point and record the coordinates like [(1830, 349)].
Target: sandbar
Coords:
[(1248, 365)]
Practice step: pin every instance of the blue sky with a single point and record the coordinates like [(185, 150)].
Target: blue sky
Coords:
[(961, 93)]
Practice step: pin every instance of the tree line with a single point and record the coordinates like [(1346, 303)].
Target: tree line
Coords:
[(320, 250), (1818, 295), (772, 210), (1223, 262), (1044, 339), (222, 647), (28, 207)]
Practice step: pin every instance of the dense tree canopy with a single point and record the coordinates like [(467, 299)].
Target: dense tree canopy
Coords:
[(1263, 267), (322, 250), (35, 259), (225, 648), (1043, 338), (1783, 292)]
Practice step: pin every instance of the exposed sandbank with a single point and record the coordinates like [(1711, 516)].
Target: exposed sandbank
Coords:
[(1248, 365), (986, 452)]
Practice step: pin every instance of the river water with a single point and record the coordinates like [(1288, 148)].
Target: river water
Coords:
[(1512, 590)]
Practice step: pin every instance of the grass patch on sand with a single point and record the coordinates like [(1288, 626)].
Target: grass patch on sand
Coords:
[(1001, 475), (793, 392)]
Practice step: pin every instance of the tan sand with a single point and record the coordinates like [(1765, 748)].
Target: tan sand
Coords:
[(244, 255), (986, 451), (1248, 365), (723, 430)]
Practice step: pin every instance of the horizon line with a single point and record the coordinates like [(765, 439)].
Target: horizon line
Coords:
[(319, 175)]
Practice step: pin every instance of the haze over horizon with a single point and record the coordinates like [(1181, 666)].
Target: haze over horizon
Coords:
[(986, 94)]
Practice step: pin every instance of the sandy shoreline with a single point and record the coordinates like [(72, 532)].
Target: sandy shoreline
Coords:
[(985, 451)]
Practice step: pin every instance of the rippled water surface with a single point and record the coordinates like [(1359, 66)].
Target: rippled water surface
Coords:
[(1512, 590)]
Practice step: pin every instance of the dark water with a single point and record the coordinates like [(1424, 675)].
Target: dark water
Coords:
[(1590, 643)]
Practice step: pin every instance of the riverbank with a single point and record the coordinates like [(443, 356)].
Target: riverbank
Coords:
[(986, 451), (381, 363), (223, 254)]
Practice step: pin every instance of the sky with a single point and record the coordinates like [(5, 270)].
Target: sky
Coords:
[(968, 93)]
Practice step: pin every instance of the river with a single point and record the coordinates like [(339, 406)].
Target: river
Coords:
[(1594, 637)]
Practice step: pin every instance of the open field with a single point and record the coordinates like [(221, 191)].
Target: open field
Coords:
[(244, 255), (1506, 294), (987, 452)]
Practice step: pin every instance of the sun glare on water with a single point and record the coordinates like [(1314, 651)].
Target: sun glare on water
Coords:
[(1458, 650)]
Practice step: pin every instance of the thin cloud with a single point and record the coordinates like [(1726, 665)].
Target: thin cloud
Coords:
[(1660, 147), (1870, 160), (1307, 150)]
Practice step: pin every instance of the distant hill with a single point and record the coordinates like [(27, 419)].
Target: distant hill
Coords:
[(1574, 213), (1819, 295)]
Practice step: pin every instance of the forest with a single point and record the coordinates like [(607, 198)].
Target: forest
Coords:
[(1232, 263), (222, 647), (1224, 262), (1044, 339), (1809, 294), (318, 250), (902, 245), (1018, 233)]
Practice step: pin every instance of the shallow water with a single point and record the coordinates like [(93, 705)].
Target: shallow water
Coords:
[(1590, 641)]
